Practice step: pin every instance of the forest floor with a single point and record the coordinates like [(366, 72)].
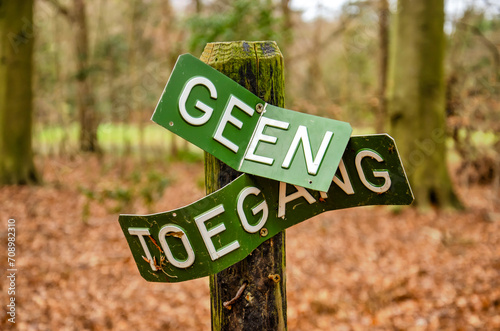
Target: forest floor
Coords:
[(370, 268)]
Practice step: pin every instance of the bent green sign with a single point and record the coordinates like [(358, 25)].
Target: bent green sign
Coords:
[(226, 120), (224, 227)]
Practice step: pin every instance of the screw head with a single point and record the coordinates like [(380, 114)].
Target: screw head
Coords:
[(259, 108), (275, 278), (263, 232)]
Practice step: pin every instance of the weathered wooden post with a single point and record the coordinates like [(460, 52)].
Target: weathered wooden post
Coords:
[(257, 66), (280, 152)]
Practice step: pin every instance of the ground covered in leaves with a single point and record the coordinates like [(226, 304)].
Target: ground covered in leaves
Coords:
[(370, 268)]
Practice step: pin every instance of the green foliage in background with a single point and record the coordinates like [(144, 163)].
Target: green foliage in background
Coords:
[(331, 63), (235, 20)]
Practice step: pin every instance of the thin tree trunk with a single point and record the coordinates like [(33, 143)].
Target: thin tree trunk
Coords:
[(383, 33), (198, 5), (287, 23), (314, 86), (417, 100), (16, 96), (262, 305), (170, 49), (59, 107), (85, 95)]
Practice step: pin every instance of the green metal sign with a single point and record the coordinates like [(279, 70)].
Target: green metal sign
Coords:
[(218, 115), (224, 227)]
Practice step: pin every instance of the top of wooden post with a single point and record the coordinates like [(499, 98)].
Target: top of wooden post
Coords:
[(247, 62), (228, 51)]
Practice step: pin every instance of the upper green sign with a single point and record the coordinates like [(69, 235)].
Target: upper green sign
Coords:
[(218, 115), (221, 229)]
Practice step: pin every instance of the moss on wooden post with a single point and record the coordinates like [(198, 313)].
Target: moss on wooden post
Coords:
[(257, 66)]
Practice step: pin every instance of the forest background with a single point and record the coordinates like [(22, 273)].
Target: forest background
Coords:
[(84, 137)]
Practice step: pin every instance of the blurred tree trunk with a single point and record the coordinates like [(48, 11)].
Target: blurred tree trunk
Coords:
[(314, 87), (416, 100), (77, 17), (287, 37), (135, 102), (383, 33), (287, 25), (198, 5), (16, 96), (85, 94), (170, 48)]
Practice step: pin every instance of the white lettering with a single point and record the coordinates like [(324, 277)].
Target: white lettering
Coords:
[(302, 135), (227, 117), (208, 234), (187, 246), (382, 174), (141, 232), (199, 105), (345, 185), (260, 207), (260, 136), (284, 199)]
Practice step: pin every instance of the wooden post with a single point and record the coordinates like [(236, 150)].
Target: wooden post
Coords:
[(257, 66)]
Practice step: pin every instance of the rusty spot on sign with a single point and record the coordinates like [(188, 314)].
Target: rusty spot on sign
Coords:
[(178, 234)]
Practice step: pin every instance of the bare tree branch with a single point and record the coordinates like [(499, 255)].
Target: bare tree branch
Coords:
[(486, 42), (323, 43)]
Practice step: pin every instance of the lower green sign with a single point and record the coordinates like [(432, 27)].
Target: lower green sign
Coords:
[(224, 227)]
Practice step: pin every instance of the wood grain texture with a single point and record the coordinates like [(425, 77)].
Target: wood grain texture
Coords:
[(257, 66)]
